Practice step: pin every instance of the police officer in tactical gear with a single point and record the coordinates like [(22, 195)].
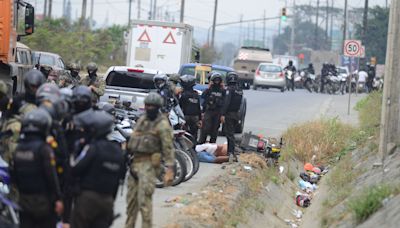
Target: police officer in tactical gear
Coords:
[(290, 81), (174, 83), (324, 75), (33, 172), (96, 84), (151, 142), (33, 79), (213, 100), (10, 125), (81, 98), (230, 112), (309, 70), (190, 104), (99, 167), (163, 88)]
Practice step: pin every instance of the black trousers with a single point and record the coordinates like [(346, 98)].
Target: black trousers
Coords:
[(210, 128), (192, 127), (92, 210), (37, 211), (231, 122)]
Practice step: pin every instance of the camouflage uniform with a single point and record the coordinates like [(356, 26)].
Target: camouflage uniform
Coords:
[(150, 140), (99, 85), (9, 142)]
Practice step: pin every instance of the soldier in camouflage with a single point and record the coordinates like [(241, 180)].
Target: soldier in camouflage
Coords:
[(151, 142), (26, 102), (94, 82), (75, 77), (10, 125)]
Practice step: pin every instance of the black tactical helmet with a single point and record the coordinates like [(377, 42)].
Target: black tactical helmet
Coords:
[(154, 99), (107, 107), (82, 98), (96, 123), (175, 78), (214, 76), (37, 121), (310, 65), (91, 67), (33, 79), (49, 92), (188, 80), (232, 78), (290, 62), (160, 80)]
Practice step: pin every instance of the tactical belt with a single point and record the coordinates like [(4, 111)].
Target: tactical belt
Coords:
[(142, 158)]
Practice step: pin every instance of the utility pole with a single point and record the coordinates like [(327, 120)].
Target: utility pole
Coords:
[(64, 7), (83, 15), (331, 27), (45, 9), (327, 20), (344, 25), (240, 30), (254, 32), (182, 10), (390, 120), (154, 9), (365, 22), (316, 46), (264, 28), (138, 9), (129, 13), (214, 23), (91, 14), (292, 32), (50, 8), (150, 9)]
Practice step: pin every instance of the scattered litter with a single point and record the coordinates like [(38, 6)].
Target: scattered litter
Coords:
[(247, 168), (223, 167), (173, 199), (266, 188), (386, 170), (385, 201), (220, 191), (288, 221), (298, 214), (314, 157), (304, 185), (303, 201), (179, 205), (233, 172), (294, 225), (281, 168), (192, 194)]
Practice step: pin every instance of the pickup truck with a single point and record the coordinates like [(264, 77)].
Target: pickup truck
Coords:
[(129, 85)]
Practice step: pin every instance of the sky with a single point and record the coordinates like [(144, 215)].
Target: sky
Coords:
[(198, 13)]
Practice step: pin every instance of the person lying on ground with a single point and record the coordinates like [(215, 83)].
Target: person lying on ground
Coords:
[(212, 153)]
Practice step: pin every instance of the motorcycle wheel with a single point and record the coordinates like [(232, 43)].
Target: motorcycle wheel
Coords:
[(179, 170), (189, 164)]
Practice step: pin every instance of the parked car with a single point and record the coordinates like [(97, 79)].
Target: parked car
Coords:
[(269, 76), (50, 59)]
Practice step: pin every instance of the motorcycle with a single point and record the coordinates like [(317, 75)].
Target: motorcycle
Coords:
[(8, 209), (271, 150), (343, 83), (377, 84), (310, 81), (333, 83)]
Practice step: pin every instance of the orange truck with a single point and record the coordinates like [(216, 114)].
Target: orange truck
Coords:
[(16, 21)]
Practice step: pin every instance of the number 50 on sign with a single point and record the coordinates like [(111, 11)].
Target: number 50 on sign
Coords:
[(352, 48)]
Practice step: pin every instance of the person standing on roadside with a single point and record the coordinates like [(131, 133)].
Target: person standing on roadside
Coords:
[(213, 100), (98, 167), (34, 174), (230, 112), (151, 142), (94, 82), (190, 104)]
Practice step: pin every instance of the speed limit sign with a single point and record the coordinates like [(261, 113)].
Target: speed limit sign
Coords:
[(352, 48)]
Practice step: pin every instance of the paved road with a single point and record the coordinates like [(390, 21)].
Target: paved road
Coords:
[(269, 112)]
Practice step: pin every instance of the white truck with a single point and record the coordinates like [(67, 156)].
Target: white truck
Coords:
[(158, 45)]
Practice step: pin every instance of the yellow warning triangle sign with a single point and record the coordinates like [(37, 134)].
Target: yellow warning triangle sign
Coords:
[(144, 37), (169, 39)]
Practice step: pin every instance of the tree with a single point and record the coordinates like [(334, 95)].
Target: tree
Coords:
[(376, 34), (304, 37), (208, 55)]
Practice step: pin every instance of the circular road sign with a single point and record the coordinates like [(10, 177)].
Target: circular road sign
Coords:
[(352, 48)]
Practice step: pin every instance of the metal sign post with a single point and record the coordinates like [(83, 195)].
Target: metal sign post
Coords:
[(352, 48)]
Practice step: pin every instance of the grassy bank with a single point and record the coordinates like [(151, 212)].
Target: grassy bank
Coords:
[(324, 138)]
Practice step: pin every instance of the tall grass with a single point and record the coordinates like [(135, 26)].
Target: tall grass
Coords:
[(324, 137), (370, 201), (369, 112)]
